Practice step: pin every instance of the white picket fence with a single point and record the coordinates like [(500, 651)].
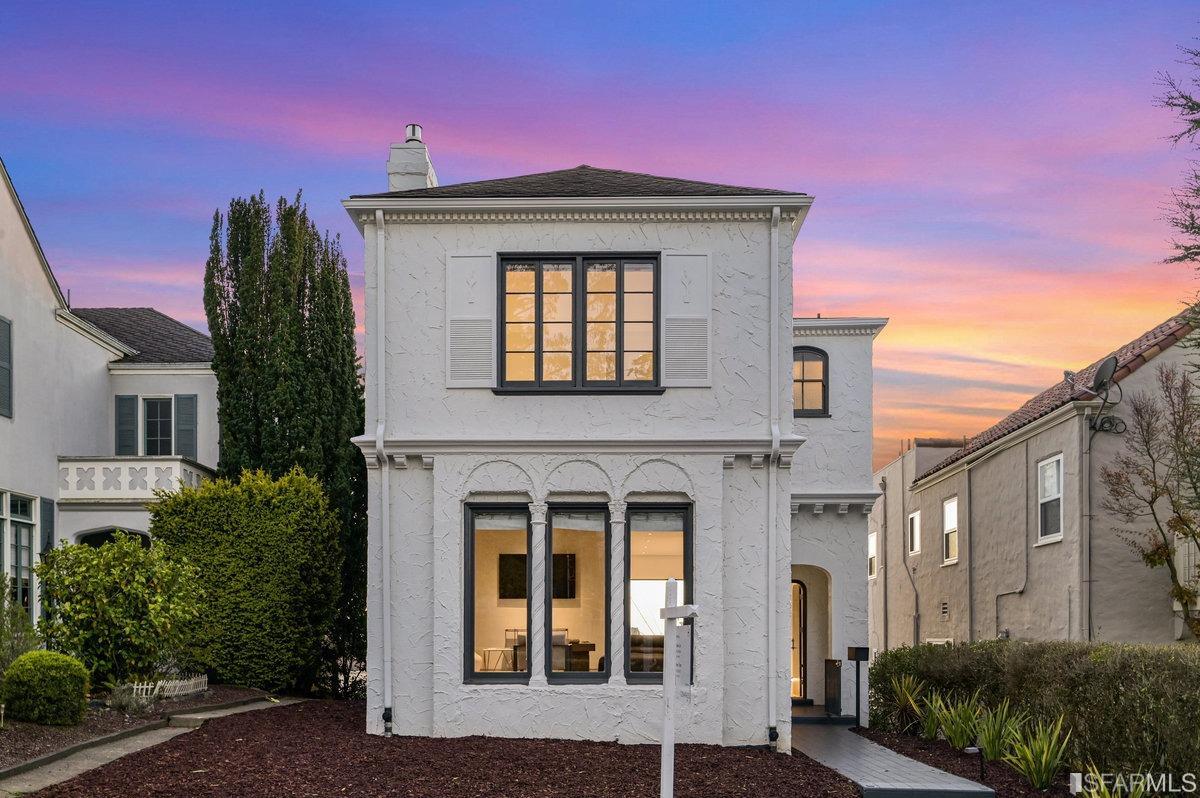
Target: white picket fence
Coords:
[(170, 688)]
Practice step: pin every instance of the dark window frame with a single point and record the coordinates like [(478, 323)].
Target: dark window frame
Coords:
[(578, 677), (579, 384), (824, 356), (169, 421), (687, 509), (470, 675)]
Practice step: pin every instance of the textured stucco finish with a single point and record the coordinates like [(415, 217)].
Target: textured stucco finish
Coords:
[(1006, 581)]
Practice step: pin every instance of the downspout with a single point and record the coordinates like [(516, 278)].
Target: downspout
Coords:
[(1085, 592), (970, 562), (883, 529), (910, 569), (773, 418), (381, 458)]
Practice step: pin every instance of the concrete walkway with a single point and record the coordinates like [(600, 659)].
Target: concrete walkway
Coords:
[(880, 772), (71, 766)]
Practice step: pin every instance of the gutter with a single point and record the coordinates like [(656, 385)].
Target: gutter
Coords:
[(772, 515), (383, 461)]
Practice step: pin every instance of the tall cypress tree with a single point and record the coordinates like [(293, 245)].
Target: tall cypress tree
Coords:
[(281, 316)]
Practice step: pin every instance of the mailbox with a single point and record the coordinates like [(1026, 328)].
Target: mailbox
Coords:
[(858, 653)]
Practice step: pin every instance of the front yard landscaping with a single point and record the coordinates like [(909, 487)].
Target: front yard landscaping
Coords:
[(20, 741), (318, 748)]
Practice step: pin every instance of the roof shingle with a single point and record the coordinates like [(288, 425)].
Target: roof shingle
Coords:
[(1130, 357), (158, 338), (582, 181)]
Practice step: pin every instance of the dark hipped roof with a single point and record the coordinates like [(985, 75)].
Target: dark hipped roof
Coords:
[(158, 338), (1130, 358), (583, 181)]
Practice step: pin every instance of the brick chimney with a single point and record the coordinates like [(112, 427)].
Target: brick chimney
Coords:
[(409, 167)]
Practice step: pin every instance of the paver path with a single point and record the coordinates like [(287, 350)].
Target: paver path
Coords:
[(71, 766), (880, 772)]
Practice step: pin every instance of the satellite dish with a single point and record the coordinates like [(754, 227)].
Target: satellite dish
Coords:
[(1104, 374)]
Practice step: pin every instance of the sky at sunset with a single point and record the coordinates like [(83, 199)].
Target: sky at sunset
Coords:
[(990, 176)]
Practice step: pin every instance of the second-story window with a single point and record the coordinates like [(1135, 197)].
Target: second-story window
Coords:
[(810, 382), (579, 322), (157, 413), (1050, 490)]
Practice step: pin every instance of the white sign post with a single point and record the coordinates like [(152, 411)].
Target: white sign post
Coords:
[(670, 613)]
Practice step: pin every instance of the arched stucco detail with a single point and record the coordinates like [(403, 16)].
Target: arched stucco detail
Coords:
[(658, 475), (577, 475), (498, 476)]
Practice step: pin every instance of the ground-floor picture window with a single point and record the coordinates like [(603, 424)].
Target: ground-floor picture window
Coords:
[(497, 595), (658, 548), (20, 555), (577, 575)]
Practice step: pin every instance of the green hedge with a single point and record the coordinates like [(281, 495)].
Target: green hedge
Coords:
[(269, 560), (45, 687), (1130, 708), (129, 613)]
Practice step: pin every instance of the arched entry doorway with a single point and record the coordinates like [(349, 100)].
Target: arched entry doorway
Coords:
[(799, 643)]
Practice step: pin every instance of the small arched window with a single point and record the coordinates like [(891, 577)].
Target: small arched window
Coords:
[(810, 382)]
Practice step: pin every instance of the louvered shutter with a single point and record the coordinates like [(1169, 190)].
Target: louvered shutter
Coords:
[(6, 369), (126, 425), (471, 320), (46, 521), (687, 298), (185, 425)]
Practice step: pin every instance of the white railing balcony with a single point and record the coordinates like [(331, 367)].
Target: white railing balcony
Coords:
[(124, 479)]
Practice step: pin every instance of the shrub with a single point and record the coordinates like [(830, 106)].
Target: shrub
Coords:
[(16, 630), (907, 691), (123, 610), (1097, 786), (959, 719), (1039, 753), (45, 687), (1130, 708), (998, 727), (931, 716), (270, 562)]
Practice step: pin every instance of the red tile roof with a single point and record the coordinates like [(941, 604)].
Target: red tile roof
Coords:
[(1130, 358)]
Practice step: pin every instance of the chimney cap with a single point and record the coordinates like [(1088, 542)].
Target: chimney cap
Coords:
[(412, 133)]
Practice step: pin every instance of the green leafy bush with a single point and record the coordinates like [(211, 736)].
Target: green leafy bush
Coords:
[(17, 634), (1130, 708), (125, 611), (269, 559), (998, 727), (907, 694), (959, 719), (1039, 753), (45, 687), (1101, 788)]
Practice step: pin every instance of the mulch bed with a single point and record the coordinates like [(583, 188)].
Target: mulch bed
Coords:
[(23, 741), (319, 748), (1000, 777)]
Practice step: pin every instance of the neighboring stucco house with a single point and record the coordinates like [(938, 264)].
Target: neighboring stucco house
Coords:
[(577, 388), (98, 408), (1005, 535)]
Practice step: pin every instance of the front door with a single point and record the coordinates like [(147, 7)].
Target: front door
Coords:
[(799, 640)]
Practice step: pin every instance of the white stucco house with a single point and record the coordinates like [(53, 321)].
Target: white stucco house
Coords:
[(580, 384), (98, 408)]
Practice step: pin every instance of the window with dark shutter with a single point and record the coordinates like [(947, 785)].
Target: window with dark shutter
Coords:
[(185, 425), (126, 425)]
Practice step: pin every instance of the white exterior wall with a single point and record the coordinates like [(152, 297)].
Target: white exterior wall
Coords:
[(832, 494), (169, 381), (605, 458)]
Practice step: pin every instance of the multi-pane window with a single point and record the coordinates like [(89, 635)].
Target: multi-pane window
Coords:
[(578, 577), (810, 382), (157, 413), (20, 555), (1050, 484), (872, 555), (913, 533), (579, 322), (497, 579), (950, 530), (657, 544)]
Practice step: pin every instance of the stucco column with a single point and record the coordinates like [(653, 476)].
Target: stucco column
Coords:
[(616, 596), (537, 595)]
